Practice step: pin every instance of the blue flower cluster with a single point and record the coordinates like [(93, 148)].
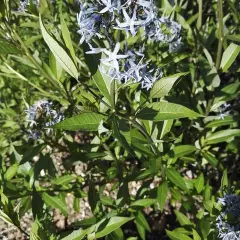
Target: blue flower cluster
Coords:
[(228, 222), (41, 115), (99, 20)]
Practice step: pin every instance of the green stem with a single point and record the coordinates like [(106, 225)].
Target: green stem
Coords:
[(220, 33), (113, 94), (200, 10)]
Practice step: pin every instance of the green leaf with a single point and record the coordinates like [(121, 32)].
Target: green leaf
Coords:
[(176, 178), (182, 219), (55, 202), (167, 125), (182, 230), (67, 38), (33, 39), (177, 236), (60, 54), (222, 136), (196, 235), (79, 234), (225, 94), (224, 180), (93, 197), (103, 83), (229, 56), (107, 201), (141, 231), (7, 47), (162, 195), (141, 220), (25, 205), (64, 180), (199, 183), (6, 218), (163, 86), (210, 158), (11, 171), (137, 137), (208, 204), (117, 234), (234, 37), (118, 130), (37, 204), (222, 122), (160, 111), (84, 122), (113, 224), (143, 202), (85, 223), (182, 150), (205, 227)]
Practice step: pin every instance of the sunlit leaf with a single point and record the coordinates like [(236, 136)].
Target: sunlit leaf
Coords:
[(55, 202), (160, 111), (176, 178), (222, 136), (163, 86), (60, 54), (83, 122), (113, 224), (229, 56)]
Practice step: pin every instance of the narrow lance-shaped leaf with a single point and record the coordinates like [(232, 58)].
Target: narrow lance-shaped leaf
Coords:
[(55, 202), (6, 218), (210, 158), (177, 236), (167, 124), (222, 122), (141, 231), (63, 180), (11, 171), (7, 47), (176, 178), (196, 235), (163, 86), (118, 134), (113, 224), (199, 183), (182, 150), (182, 219), (229, 56), (224, 181), (78, 234), (160, 111), (162, 195), (103, 82), (60, 54), (235, 37), (83, 122), (222, 136), (143, 202), (140, 219), (67, 38)]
